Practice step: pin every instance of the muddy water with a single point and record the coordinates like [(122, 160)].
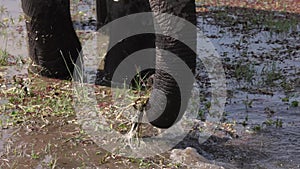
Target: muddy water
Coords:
[(266, 52), (12, 33), (259, 98)]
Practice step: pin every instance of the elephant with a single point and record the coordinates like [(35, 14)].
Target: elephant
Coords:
[(111, 11), (54, 47)]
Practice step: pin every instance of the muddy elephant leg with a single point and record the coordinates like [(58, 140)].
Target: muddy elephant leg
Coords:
[(53, 43), (167, 102)]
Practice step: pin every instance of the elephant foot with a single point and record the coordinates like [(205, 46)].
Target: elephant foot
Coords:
[(102, 78)]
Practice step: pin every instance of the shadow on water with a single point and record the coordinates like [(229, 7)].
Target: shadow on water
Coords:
[(260, 51)]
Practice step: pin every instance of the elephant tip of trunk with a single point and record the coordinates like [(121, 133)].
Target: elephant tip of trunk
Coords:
[(161, 125)]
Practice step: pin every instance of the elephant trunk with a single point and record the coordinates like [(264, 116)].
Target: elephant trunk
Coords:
[(53, 44), (168, 101)]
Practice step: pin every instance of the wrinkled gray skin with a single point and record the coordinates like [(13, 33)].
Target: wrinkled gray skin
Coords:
[(51, 36), (163, 81)]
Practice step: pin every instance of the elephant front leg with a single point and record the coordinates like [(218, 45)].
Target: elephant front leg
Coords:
[(169, 97), (53, 44)]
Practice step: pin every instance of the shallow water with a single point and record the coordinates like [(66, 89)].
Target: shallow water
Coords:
[(279, 147), (13, 39)]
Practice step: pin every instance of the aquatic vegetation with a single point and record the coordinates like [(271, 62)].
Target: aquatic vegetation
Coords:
[(295, 103), (257, 128), (286, 99), (271, 74), (286, 85), (248, 103), (245, 122), (277, 123), (245, 72)]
